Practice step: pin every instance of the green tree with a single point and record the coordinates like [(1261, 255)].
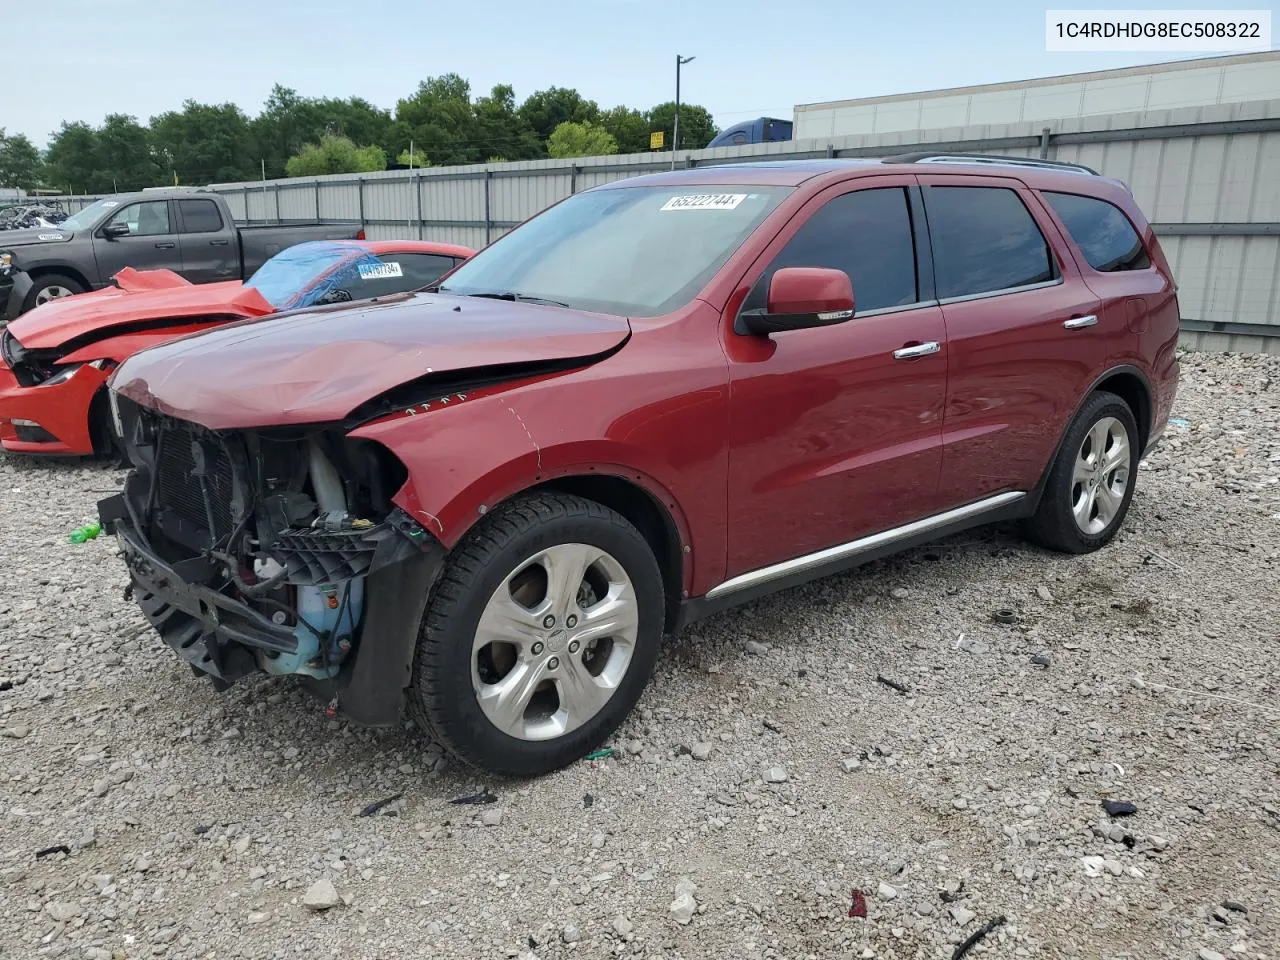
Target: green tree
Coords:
[(205, 143), (697, 129), (439, 119), (500, 130), (19, 161), (123, 156), (335, 154), (547, 109), (584, 139), (629, 127), (413, 160), (70, 159)]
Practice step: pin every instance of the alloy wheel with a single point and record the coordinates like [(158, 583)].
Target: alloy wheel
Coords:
[(1101, 476), (554, 641)]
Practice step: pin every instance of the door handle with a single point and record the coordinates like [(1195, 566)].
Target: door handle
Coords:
[(918, 350), (1079, 323), (165, 246), (217, 243)]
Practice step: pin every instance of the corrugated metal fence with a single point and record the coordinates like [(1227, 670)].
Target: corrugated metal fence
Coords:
[(1207, 177)]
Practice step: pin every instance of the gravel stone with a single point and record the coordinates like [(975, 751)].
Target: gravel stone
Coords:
[(1154, 694), (1205, 953), (701, 750), (682, 908), (569, 933), (775, 775), (756, 648), (850, 764), (886, 892), (492, 817), (321, 895), (622, 926)]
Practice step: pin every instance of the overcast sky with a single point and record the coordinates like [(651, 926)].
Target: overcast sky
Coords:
[(82, 59)]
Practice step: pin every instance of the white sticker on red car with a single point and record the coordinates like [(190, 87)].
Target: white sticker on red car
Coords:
[(381, 271), (705, 201)]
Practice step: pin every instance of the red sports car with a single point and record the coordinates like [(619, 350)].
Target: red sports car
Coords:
[(55, 360)]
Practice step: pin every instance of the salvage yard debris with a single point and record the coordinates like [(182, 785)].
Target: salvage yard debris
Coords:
[(977, 936), (1119, 808)]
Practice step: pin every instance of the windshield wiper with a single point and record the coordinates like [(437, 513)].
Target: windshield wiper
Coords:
[(514, 297)]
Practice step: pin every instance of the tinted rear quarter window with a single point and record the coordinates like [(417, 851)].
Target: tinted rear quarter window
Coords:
[(1101, 231), (867, 234), (985, 240), (200, 216)]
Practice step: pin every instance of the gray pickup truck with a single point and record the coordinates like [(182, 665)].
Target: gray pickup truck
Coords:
[(188, 231)]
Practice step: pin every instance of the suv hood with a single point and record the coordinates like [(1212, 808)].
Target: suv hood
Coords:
[(318, 365), (33, 235)]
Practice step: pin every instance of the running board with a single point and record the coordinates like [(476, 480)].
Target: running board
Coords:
[(841, 553)]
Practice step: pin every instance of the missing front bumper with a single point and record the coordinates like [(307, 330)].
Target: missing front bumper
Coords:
[(195, 608)]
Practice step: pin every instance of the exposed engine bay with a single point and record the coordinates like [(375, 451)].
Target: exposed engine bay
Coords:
[(256, 550)]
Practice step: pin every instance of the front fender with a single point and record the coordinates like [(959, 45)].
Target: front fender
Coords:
[(469, 452)]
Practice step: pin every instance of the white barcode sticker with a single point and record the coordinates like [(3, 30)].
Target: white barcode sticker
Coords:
[(380, 271), (705, 201)]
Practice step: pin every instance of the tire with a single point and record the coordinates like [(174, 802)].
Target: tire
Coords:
[(50, 286), (502, 571), (1085, 502), (107, 446)]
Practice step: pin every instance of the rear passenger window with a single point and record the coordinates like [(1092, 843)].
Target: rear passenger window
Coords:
[(985, 240), (867, 234), (1101, 231), (200, 216)]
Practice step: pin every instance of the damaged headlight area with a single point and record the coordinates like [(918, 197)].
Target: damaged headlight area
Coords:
[(275, 550)]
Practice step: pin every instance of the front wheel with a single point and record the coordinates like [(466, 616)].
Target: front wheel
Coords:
[(50, 286), (539, 637), (1092, 480)]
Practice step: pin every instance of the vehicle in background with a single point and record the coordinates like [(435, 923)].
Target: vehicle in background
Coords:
[(656, 399), (32, 214), (55, 359), (759, 130), (190, 232)]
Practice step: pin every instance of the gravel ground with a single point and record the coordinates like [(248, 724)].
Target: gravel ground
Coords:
[(767, 775)]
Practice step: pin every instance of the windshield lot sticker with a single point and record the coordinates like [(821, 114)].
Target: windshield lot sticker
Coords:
[(51, 236), (381, 271), (705, 201), (108, 204)]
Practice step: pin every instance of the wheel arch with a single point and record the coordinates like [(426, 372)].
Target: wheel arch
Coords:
[(62, 269), (1131, 385)]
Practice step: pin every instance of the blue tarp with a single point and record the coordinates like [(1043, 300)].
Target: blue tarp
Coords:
[(304, 274)]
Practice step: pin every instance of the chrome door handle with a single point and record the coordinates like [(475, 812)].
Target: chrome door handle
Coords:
[(919, 350), (1077, 323)]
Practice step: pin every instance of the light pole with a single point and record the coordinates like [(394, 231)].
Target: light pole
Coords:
[(675, 133)]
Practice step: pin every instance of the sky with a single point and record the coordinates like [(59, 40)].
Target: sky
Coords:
[(83, 59)]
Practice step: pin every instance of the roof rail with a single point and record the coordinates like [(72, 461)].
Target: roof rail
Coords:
[(978, 158)]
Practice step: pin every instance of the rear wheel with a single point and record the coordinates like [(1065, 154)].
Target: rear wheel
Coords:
[(540, 636), (1092, 480), (50, 286)]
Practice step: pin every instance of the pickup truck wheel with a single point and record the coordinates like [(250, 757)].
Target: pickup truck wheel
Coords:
[(539, 636), (48, 287), (1092, 480)]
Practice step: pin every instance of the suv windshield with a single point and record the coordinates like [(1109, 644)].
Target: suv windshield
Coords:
[(631, 251)]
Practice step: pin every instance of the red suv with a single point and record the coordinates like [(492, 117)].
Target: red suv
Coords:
[(656, 399)]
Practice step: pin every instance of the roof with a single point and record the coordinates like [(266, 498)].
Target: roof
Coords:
[(792, 173), (417, 246), (1171, 66)]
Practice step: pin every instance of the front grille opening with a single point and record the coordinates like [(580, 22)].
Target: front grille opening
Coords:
[(33, 433), (178, 487)]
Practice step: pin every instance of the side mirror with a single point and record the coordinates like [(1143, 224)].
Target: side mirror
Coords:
[(113, 230), (800, 297)]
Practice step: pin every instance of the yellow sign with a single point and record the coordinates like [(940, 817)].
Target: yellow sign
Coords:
[(655, 140)]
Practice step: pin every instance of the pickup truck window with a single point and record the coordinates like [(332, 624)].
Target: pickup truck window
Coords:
[(629, 251), (199, 216), (985, 240), (867, 234), (87, 217), (148, 219)]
